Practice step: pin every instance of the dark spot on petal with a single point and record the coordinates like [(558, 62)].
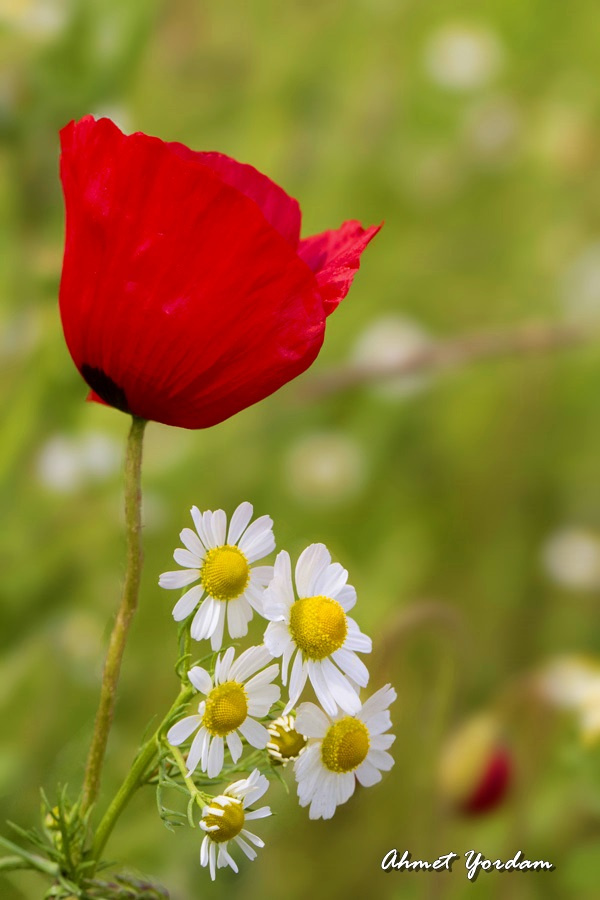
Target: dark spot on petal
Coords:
[(105, 387)]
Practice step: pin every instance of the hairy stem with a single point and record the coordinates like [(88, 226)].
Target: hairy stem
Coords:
[(127, 608), (145, 758)]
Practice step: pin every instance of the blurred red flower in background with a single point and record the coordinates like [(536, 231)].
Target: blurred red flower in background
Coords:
[(186, 292), (476, 766)]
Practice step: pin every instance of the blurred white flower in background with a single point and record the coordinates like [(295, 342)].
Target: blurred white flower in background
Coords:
[(461, 57), (38, 19), (391, 341), (78, 637), (492, 129), (325, 468), (435, 175), (563, 136), (19, 335), (573, 682), (579, 286), (65, 463), (571, 557)]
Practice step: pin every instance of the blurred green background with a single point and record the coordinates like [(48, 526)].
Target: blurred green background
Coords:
[(465, 505)]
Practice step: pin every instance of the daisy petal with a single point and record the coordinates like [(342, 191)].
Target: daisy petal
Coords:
[(346, 597), (355, 639), (319, 683), (352, 666), (298, 677), (378, 702), (262, 575), (216, 639), (237, 624), (195, 754), (215, 757), (225, 859), (239, 522), (331, 580), (276, 638), (193, 543), (174, 580), (255, 534), (249, 662), (261, 548), (252, 837), (187, 603), (378, 723), (198, 518), (311, 721), (367, 774), (340, 688), (311, 563), (248, 850), (202, 621), (382, 741), (262, 679), (204, 851), (181, 731), (223, 665), (255, 733), (261, 813), (381, 759), (200, 679), (219, 527), (186, 558), (235, 745), (212, 852)]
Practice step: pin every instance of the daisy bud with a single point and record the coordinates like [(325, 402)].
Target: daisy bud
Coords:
[(285, 743)]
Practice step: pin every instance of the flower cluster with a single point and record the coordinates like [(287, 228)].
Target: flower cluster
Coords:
[(333, 745)]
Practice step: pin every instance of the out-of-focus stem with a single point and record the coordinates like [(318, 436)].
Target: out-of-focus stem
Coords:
[(127, 608), (522, 340)]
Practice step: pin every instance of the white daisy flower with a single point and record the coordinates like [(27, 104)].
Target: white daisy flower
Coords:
[(342, 750), (224, 818), (285, 742), (317, 627), (231, 704), (221, 561)]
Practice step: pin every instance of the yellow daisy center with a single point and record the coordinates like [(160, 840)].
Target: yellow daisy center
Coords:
[(225, 572), (285, 742), (226, 708), (318, 626), (229, 824), (345, 745)]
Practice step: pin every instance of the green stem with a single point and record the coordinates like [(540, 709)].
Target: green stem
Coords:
[(8, 863), (200, 797), (145, 758), (129, 599), (27, 860)]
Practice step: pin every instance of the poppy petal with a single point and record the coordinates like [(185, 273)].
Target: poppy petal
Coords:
[(180, 303), (280, 210), (334, 257)]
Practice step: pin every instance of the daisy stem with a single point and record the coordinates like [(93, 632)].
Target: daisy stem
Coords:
[(127, 608), (144, 759), (200, 797)]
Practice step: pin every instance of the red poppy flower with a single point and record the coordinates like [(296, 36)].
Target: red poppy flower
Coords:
[(186, 292)]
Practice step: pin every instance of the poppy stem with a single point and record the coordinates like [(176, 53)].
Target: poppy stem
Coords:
[(127, 608)]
